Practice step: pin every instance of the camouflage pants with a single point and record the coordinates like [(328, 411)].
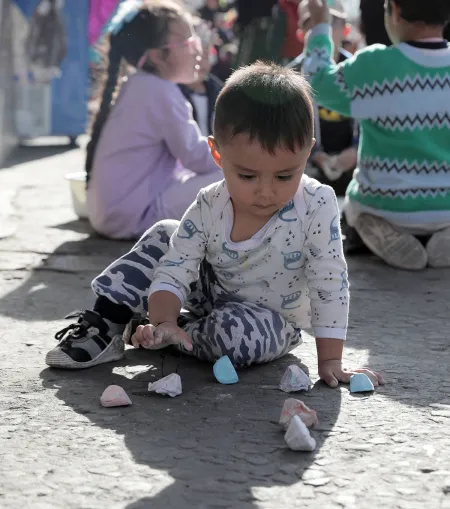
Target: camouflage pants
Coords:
[(217, 322)]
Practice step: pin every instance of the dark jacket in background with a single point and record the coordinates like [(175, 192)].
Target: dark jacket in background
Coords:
[(248, 10), (213, 87), (372, 22)]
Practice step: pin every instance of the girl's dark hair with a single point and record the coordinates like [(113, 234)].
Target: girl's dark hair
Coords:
[(149, 29), (431, 12), (270, 104)]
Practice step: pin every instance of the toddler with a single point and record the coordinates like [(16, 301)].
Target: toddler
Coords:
[(251, 256)]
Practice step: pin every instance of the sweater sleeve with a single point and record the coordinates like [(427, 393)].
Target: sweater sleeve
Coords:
[(179, 268), (332, 84), (182, 134), (326, 269)]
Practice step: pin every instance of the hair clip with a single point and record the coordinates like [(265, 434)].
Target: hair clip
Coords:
[(126, 12)]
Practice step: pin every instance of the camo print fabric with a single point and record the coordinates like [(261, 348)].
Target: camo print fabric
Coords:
[(218, 322)]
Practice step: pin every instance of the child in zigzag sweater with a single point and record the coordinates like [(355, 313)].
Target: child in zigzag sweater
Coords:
[(399, 198)]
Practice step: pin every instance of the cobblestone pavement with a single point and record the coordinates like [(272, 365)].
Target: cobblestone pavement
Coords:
[(216, 446)]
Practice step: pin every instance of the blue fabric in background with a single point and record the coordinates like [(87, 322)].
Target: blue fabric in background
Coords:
[(70, 93), (27, 6)]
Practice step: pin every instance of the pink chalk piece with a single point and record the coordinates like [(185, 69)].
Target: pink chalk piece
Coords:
[(293, 407), (113, 396)]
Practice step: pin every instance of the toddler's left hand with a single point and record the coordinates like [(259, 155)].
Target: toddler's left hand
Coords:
[(332, 372)]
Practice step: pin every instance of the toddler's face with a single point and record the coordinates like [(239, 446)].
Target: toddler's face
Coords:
[(259, 183)]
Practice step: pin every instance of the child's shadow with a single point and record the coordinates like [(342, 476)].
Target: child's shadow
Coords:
[(220, 444)]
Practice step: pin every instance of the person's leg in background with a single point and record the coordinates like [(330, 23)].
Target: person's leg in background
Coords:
[(122, 291)]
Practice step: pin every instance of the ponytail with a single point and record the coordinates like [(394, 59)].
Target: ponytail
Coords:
[(110, 86)]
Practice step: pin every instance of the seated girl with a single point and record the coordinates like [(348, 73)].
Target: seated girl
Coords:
[(147, 159)]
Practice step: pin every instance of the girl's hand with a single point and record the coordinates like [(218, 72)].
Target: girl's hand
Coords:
[(332, 372), (166, 333), (319, 11)]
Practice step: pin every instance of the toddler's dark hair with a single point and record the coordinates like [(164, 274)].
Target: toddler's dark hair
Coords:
[(149, 29), (269, 103), (431, 12)]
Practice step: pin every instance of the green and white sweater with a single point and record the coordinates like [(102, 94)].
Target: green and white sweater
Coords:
[(401, 97)]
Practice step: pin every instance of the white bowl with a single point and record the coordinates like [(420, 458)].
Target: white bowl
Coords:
[(77, 182)]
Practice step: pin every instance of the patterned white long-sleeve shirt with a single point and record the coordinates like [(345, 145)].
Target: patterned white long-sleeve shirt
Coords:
[(294, 265)]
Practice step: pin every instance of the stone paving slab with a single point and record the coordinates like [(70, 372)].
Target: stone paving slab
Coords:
[(215, 446)]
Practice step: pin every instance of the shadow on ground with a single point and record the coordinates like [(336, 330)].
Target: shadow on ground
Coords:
[(77, 226), (221, 445), (60, 277), (27, 154)]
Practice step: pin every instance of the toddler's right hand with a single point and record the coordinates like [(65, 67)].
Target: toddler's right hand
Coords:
[(166, 333)]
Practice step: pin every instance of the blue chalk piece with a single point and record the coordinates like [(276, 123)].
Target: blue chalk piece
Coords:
[(224, 371), (360, 383)]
